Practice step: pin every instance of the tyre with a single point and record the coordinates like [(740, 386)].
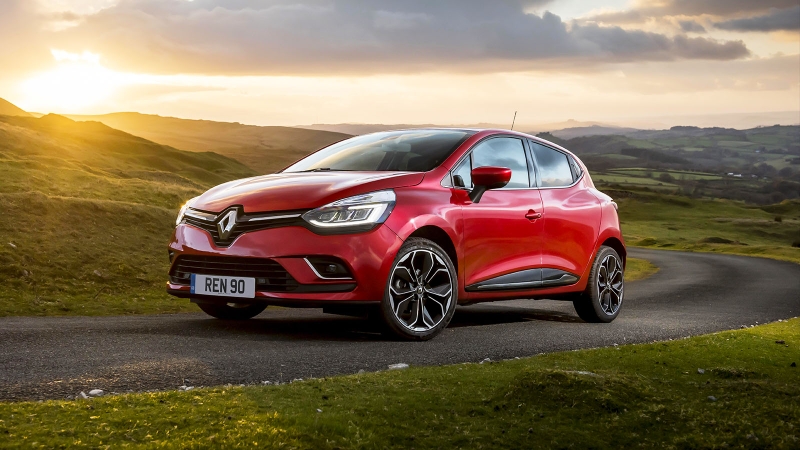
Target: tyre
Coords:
[(602, 300), (232, 311), (421, 293)]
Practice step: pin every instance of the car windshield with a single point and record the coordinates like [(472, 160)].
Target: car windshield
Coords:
[(409, 151)]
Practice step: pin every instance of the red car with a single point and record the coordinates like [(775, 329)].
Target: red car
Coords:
[(410, 224)]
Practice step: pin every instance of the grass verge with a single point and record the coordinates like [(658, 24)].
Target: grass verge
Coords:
[(649, 395), (639, 269)]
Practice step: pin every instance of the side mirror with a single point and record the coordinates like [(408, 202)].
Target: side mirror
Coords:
[(485, 178)]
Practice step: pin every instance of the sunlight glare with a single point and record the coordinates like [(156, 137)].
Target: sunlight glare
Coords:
[(78, 81)]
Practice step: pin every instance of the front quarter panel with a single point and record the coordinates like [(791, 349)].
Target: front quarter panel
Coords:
[(433, 206)]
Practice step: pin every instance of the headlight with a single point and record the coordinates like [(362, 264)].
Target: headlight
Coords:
[(360, 211), (182, 212)]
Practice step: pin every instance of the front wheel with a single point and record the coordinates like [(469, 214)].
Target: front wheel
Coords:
[(421, 292), (602, 299), (232, 311)]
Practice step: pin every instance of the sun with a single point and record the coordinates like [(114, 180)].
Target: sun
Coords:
[(78, 81)]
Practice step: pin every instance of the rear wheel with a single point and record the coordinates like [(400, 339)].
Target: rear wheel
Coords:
[(232, 311), (421, 292), (602, 300)]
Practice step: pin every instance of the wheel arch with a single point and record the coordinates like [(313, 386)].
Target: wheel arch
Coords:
[(619, 247), (440, 238)]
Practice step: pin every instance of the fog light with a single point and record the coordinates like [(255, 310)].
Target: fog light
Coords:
[(328, 267)]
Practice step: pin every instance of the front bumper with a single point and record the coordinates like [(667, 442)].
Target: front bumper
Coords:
[(368, 255)]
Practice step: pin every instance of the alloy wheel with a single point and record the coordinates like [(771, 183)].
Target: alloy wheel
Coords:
[(610, 284), (421, 290)]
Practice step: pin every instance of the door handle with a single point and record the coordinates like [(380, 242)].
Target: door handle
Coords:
[(533, 215)]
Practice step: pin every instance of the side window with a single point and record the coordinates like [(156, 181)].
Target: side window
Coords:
[(462, 176), (554, 167), (504, 152), (576, 169)]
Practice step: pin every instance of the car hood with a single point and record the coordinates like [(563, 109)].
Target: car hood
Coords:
[(305, 190)]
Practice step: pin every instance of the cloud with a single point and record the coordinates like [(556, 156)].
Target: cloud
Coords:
[(713, 7), (690, 26), (775, 20), (363, 36), (648, 10)]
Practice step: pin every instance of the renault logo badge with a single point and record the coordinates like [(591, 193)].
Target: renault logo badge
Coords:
[(226, 224)]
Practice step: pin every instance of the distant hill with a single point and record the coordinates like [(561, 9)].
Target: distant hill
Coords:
[(264, 149), (594, 130), (355, 129), (364, 128), (9, 109)]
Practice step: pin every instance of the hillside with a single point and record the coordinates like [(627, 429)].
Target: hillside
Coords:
[(263, 149), (87, 213), (9, 109), (757, 165)]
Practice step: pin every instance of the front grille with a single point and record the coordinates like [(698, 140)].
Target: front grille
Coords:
[(270, 276), (245, 224)]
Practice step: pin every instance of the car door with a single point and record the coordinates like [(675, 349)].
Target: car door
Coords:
[(503, 232), (571, 216)]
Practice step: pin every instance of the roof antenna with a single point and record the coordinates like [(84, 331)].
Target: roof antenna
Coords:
[(513, 121)]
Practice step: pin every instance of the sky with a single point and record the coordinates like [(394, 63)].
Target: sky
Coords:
[(293, 62)]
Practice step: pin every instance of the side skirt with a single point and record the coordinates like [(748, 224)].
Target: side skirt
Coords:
[(526, 279)]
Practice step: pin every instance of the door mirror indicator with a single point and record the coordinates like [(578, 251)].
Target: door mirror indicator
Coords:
[(487, 177)]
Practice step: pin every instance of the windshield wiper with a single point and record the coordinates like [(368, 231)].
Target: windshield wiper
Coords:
[(318, 169)]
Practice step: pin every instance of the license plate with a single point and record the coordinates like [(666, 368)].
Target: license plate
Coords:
[(223, 286)]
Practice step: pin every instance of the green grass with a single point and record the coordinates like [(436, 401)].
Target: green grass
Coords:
[(89, 211), (679, 223), (639, 269), (677, 174), (649, 395)]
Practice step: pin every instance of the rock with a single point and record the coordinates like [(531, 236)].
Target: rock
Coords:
[(82, 395), (297, 379), (712, 398), (781, 342), (485, 361), (185, 388), (398, 366), (319, 410), (189, 388), (360, 371), (701, 371), (97, 273), (265, 383), (12, 245), (581, 372), (96, 393)]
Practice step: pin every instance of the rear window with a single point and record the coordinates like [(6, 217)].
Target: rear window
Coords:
[(553, 166), (408, 151)]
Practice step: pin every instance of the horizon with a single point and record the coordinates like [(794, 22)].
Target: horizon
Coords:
[(641, 63)]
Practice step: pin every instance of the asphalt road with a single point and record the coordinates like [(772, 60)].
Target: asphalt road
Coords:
[(692, 293)]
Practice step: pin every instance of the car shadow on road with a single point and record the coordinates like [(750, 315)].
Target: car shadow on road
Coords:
[(285, 324), (488, 315)]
